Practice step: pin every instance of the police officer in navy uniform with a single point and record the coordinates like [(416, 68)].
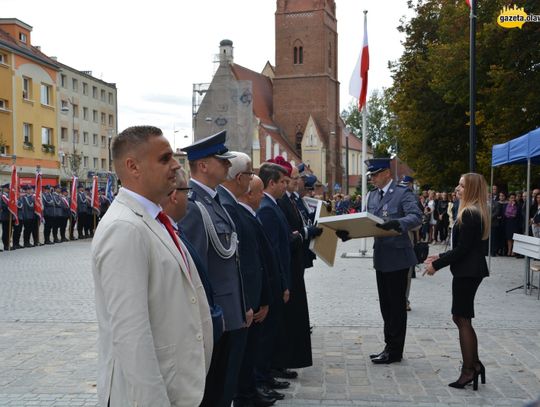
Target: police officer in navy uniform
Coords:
[(48, 213), (89, 225), (17, 227), (216, 244), (4, 215), (393, 255), (26, 215), (82, 209), (58, 212), (64, 213)]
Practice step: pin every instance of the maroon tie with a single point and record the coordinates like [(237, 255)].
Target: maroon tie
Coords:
[(164, 219)]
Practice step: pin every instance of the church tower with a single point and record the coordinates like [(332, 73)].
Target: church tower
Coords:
[(305, 81)]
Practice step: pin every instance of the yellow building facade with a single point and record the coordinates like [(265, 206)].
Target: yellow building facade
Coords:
[(29, 124)]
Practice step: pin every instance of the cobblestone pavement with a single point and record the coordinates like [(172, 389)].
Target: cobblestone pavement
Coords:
[(48, 336)]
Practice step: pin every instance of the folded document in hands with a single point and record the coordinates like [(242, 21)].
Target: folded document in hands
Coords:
[(360, 224)]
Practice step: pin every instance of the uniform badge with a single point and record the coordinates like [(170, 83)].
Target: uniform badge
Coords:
[(208, 200), (385, 210)]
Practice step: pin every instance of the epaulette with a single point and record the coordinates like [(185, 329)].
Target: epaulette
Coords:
[(192, 196)]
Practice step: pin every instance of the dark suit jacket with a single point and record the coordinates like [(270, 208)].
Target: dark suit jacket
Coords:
[(294, 219), (467, 257), (250, 260), (260, 255), (278, 233), (224, 274)]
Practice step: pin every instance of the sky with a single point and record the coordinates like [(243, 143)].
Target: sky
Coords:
[(156, 50)]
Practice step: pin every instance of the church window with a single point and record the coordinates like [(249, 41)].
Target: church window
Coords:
[(268, 147), (298, 53)]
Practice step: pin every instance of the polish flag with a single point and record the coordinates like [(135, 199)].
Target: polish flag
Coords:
[(468, 3), (359, 79), (95, 194), (14, 194), (73, 197), (38, 202)]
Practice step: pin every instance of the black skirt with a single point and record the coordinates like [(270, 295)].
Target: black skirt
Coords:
[(463, 292)]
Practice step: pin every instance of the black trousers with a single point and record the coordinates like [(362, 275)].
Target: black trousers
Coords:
[(62, 224), (392, 288), (268, 341), (215, 379), (81, 222), (238, 342), (5, 234), (28, 229), (246, 379), (47, 229), (17, 231), (56, 228)]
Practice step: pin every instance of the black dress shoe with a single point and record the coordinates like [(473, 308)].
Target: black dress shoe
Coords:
[(261, 400), (284, 373), (386, 358), (276, 384), (376, 355), (268, 392)]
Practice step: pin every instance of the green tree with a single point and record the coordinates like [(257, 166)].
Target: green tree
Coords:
[(429, 99), (379, 123)]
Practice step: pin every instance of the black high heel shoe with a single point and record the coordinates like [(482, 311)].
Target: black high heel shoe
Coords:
[(460, 384), (481, 370)]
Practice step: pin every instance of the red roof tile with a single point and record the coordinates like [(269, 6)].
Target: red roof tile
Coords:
[(29, 51)]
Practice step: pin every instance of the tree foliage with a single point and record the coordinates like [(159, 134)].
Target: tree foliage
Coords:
[(379, 123), (428, 103)]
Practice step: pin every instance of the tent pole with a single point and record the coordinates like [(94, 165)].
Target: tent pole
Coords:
[(490, 211), (526, 281)]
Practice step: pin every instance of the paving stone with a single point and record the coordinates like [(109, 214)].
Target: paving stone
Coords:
[(48, 335)]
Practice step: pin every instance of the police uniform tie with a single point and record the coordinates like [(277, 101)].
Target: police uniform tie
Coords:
[(165, 221), (381, 194)]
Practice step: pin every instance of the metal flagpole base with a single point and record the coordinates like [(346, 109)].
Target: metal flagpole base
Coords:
[(361, 254)]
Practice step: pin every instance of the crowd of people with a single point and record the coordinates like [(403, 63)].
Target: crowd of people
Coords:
[(56, 224), (209, 305), (199, 282)]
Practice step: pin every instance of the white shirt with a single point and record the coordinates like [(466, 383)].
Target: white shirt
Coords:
[(150, 207), (386, 187), (271, 197), (211, 192), (249, 208)]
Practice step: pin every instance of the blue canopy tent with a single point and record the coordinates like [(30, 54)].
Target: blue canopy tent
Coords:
[(521, 150)]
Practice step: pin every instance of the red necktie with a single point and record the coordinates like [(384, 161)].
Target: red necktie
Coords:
[(164, 219)]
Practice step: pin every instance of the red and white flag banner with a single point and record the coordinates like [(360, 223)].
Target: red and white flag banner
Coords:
[(359, 78), (38, 202), (95, 194), (14, 194), (73, 197)]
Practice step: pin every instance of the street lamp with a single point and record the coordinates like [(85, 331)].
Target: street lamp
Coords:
[(73, 159), (110, 134)]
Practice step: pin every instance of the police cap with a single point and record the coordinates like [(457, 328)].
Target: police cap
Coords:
[(376, 165), (211, 146)]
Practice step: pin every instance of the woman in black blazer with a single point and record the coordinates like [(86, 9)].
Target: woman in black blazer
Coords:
[(468, 266)]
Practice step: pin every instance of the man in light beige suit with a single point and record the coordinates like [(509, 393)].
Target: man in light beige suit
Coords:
[(155, 329)]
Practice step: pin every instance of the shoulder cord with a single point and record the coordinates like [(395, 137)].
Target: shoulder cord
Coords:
[(210, 231), (30, 204)]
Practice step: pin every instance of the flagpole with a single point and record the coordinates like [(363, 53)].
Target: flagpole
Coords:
[(472, 88), (10, 233)]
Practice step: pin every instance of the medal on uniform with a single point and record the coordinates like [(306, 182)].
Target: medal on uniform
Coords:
[(385, 210)]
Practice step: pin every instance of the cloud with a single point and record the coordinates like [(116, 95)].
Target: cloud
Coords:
[(167, 99)]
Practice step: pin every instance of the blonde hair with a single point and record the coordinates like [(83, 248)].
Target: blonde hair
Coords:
[(475, 198)]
